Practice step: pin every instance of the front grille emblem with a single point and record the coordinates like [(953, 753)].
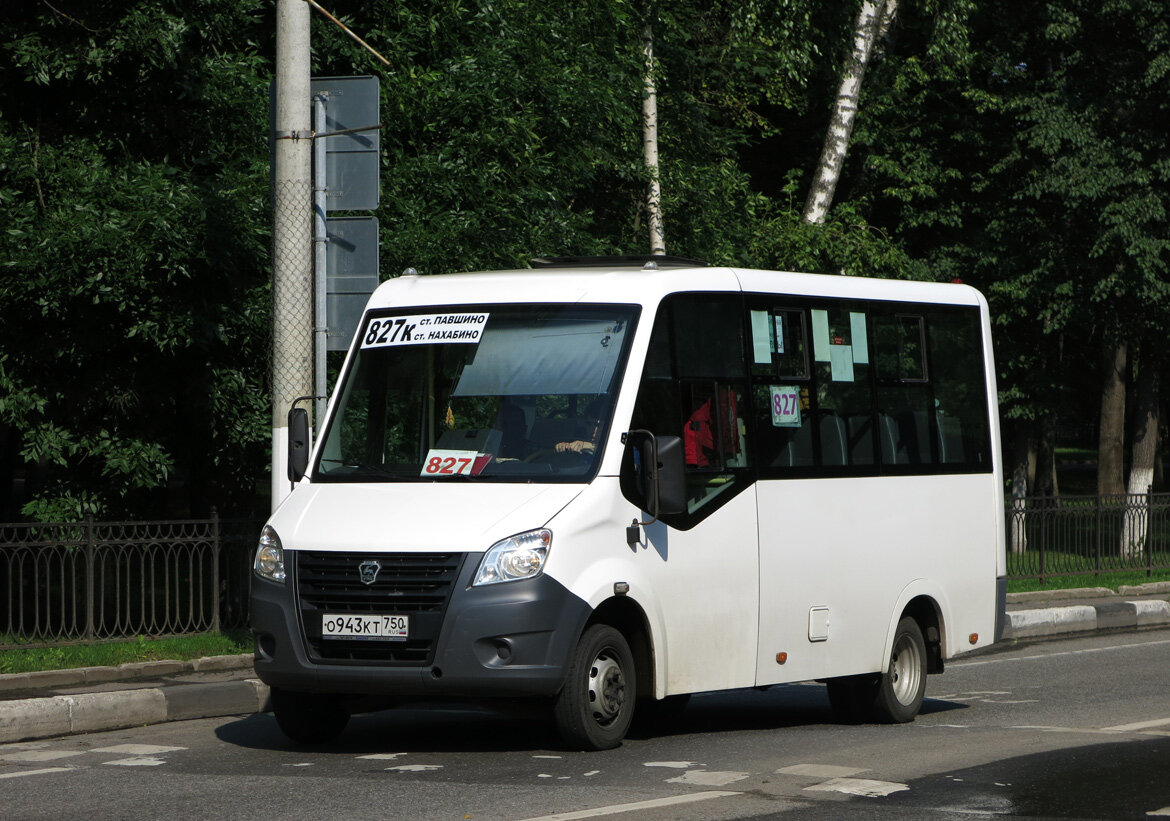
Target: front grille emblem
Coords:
[(368, 571)]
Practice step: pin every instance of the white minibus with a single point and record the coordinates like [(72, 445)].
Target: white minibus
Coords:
[(607, 484)]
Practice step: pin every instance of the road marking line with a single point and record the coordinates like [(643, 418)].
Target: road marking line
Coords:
[(1163, 811), (614, 809), (29, 756), (414, 768), (820, 770), (708, 778), (24, 745), (1043, 728), (866, 787), (677, 765), (1055, 655), (136, 762), (137, 749), (1137, 725), (23, 773)]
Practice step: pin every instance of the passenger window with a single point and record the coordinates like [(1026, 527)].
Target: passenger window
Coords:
[(960, 393), (694, 387), (844, 398), (779, 343), (899, 341)]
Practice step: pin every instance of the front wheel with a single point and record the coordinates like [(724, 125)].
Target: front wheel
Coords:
[(309, 718), (594, 708)]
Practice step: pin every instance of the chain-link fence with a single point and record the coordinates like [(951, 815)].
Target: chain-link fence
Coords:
[(292, 296)]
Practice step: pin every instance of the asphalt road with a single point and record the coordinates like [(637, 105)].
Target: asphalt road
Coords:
[(1065, 729)]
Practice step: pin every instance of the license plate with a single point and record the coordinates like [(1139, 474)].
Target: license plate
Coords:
[(364, 628)]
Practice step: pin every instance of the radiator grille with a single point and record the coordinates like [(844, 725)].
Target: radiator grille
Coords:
[(416, 585)]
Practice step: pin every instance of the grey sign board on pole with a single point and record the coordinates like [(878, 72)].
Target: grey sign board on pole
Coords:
[(351, 160), (352, 263)]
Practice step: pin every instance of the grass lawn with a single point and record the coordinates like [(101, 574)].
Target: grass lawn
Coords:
[(1109, 580), (183, 648)]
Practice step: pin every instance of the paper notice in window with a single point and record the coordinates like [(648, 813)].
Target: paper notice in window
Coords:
[(424, 329), (785, 406), (761, 339), (841, 358)]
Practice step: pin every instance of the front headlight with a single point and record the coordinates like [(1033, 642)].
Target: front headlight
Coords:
[(517, 557), (269, 562)]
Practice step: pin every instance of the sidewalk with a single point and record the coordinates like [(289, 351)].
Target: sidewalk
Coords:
[(94, 699)]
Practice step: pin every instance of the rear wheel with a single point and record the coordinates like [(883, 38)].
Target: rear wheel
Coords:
[(893, 697), (852, 696), (903, 686), (308, 718), (594, 708)]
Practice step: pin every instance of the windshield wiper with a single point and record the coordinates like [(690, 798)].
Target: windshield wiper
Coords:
[(360, 469)]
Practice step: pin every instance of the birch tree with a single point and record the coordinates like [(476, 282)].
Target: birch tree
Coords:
[(1144, 451), (650, 145), (873, 19)]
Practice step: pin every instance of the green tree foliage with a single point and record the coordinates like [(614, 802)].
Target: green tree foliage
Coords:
[(1016, 146), (132, 263), (1036, 168)]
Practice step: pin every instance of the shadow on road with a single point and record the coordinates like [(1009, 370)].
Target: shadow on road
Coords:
[(528, 727), (1118, 780)]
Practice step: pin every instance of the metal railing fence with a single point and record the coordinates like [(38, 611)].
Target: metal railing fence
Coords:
[(1088, 535), (84, 581)]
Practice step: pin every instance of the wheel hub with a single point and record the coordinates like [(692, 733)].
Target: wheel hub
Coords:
[(607, 688), (905, 671)]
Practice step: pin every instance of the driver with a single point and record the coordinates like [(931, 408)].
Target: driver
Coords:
[(593, 412)]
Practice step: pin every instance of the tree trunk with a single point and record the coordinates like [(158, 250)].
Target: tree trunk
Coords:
[(872, 18), (1144, 450), (650, 145), (1111, 440), (1046, 458), (1021, 453)]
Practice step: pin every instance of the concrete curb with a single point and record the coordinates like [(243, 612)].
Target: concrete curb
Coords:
[(81, 676), (1084, 618), (24, 719)]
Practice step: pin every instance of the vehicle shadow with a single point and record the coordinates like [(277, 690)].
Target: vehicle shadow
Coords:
[(529, 727)]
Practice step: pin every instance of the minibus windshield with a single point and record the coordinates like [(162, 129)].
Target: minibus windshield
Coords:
[(468, 393)]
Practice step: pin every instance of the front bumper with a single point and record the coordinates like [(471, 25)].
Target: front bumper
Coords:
[(503, 640)]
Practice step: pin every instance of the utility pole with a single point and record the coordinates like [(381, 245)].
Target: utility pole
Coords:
[(292, 232)]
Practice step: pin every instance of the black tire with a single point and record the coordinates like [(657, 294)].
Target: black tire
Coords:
[(308, 718), (852, 697), (594, 708), (903, 686), (660, 715)]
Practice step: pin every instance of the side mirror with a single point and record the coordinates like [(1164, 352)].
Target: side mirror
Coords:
[(298, 444), (653, 475), (671, 476)]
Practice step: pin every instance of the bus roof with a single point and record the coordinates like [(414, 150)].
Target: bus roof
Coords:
[(630, 282)]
